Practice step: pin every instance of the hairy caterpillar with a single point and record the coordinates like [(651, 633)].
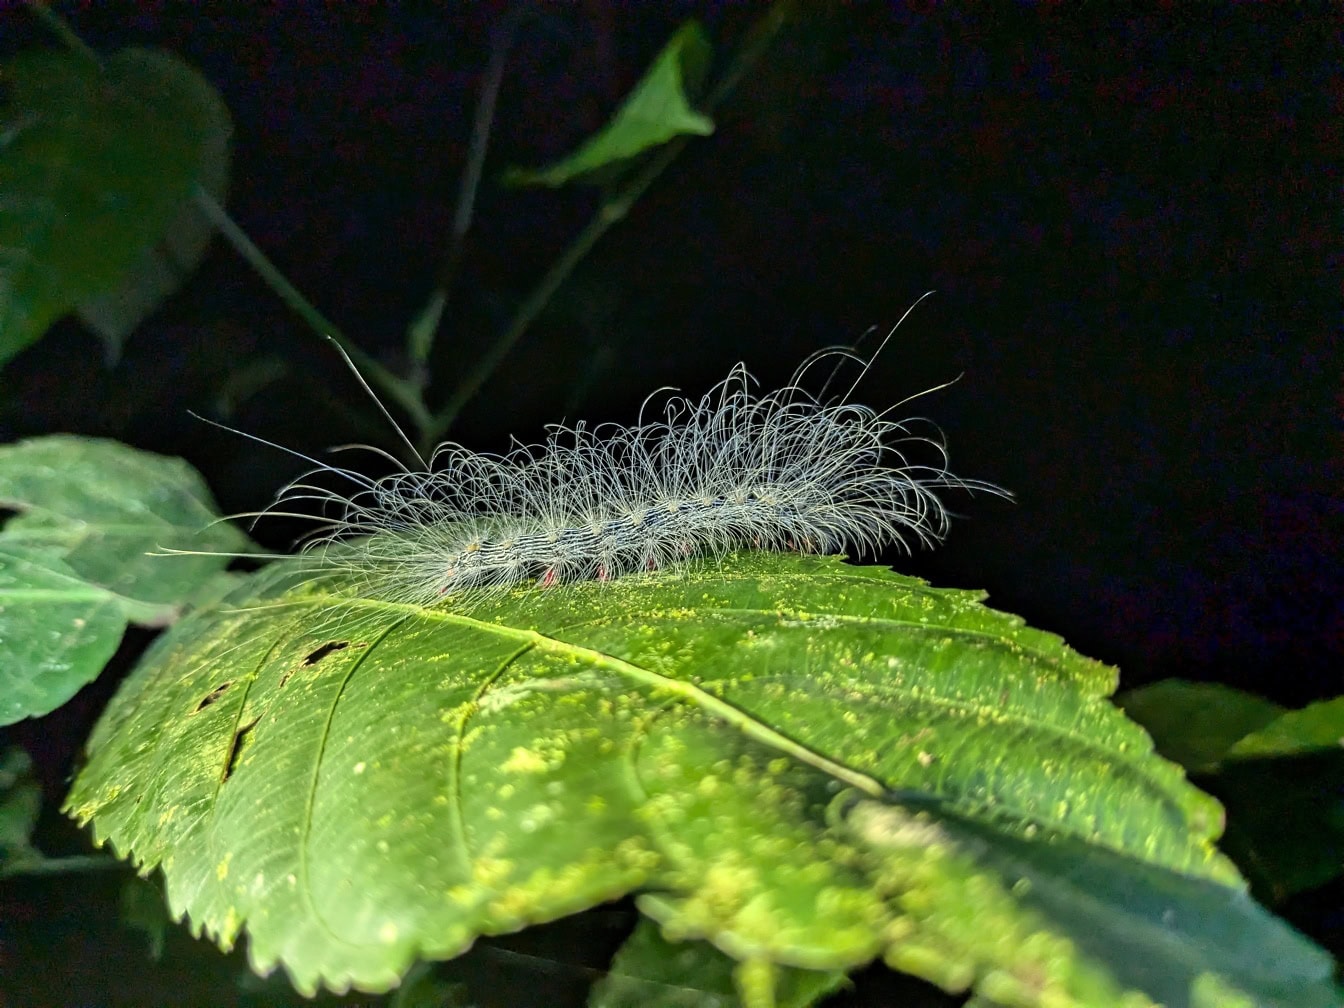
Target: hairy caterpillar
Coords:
[(730, 470)]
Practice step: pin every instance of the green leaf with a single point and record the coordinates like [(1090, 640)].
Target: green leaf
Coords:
[(1285, 819), (20, 803), (1196, 724), (56, 633), (651, 972), (141, 908), (1277, 771), (1084, 918), (654, 112), (97, 165), (422, 989), (805, 764), (75, 565), (1318, 726), (1284, 787)]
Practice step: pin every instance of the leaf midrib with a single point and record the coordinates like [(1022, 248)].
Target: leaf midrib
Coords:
[(732, 715)]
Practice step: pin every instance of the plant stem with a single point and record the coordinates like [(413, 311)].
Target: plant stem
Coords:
[(63, 866), (612, 210), (401, 391), (62, 30), (420, 338), (398, 389)]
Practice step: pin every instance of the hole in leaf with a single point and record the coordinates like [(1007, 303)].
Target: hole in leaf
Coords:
[(325, 650), (212, 696), (241, 738)]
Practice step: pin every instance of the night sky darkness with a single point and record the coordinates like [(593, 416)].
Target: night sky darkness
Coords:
[(1132, 224)]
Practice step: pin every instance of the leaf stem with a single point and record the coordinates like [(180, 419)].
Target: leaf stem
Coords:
[(736, 717), (420, 337), (398, 389), (608, 214), (62, 30), (405, 393), (62, 866)]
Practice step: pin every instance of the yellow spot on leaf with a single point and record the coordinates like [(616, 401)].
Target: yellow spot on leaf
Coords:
[(523, 760)]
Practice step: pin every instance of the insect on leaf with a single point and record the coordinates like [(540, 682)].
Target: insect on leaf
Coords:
[(810, 766)]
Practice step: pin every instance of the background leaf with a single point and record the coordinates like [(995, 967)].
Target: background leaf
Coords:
[(20, 803), (1196, 724), (97, 165), (75, 563), (360, 784), (1280, 773), (140, 907), (649, 970), (1285, 820), (657, 109), (1318, 726)]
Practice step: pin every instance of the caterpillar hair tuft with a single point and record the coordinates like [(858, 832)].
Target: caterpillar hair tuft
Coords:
[(787, 470)]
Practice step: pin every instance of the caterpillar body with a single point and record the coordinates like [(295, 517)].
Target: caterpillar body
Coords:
[(731, 470)]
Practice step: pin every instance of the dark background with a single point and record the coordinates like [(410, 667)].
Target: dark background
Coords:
[(1132, 222)]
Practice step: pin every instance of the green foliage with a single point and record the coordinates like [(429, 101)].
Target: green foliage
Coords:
[(655, 111), (1317, 727), (421, 989), (650, 970), (20, 803), (97, 164), (802, 763), (75, 565), (141, 908), (1196, 724), (1278, 771), (1285, 820)]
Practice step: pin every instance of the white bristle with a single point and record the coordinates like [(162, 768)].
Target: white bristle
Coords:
[(788, 470), (732, 470)]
